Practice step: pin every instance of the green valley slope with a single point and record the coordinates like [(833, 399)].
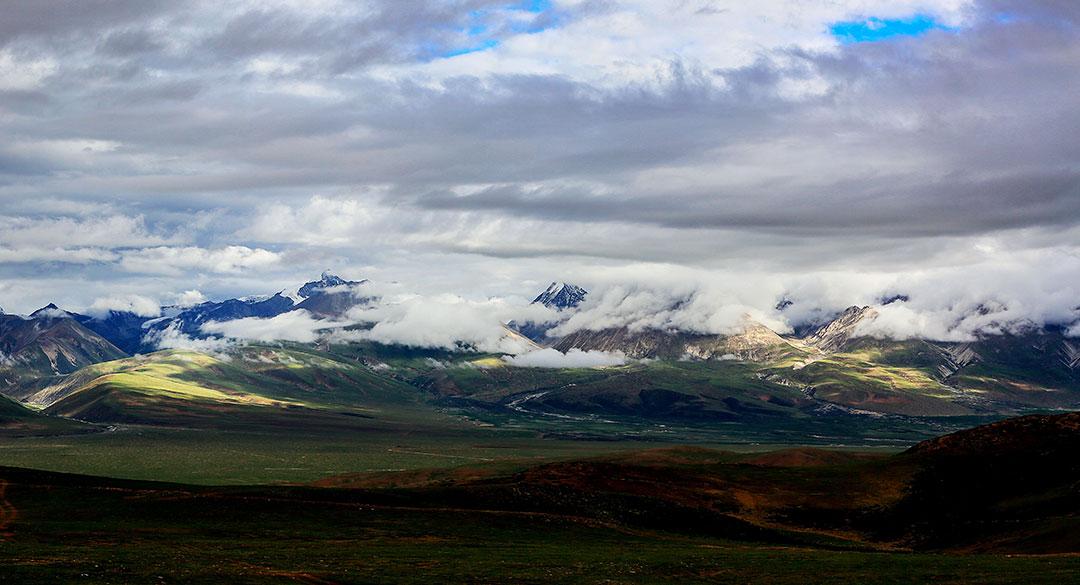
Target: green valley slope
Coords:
[(253, 386)]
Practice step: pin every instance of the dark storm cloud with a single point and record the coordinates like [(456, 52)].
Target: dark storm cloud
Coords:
[(130, 42), (338, 43), (24, 19), (884, 210), (990, 111)]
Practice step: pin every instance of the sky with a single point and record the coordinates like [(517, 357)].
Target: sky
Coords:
[(736, 153)]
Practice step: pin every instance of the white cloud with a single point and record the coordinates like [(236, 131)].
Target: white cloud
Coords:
[(321, 221), (189, 298), (575, 358), (635, 42), (702, 305), (18, 73), (447, 321), (173, 260), (106, 232), (140, 305), (66, 255), (299, 326), (172, 338), (1006, 292)]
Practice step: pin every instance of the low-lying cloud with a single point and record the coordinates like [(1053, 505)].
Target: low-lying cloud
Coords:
[(1005, 294), (447, 321), (704, 310), (299, 326), (137, 304), (574, 358), (176, 260), (172, 338)]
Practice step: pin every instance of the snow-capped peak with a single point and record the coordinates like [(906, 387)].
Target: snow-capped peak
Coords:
[(330, 279), (50, 311), (561, 295), (326, 280)]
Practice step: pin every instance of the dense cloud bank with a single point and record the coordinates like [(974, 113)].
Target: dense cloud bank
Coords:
[(299, 326), (941, 305), (447, 321)]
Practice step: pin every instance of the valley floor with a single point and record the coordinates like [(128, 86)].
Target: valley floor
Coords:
[(222, 457), (996, 504), (275, 542)]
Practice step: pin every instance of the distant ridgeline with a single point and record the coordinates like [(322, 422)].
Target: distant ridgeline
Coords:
[(827, 368)]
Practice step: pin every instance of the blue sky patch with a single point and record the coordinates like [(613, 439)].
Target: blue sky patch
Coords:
[(481, 46), (482, 36), (535, 6), (877, 29)]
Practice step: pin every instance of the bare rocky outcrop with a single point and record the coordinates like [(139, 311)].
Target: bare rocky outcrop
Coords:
[(832, 336), (956, 357), (755, 343), (1070, 355)]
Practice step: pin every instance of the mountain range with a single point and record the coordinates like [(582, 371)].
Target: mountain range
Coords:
[(52, 356), (330, 296)]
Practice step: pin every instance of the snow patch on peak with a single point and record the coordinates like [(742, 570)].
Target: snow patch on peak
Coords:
[(330, 279), (50, 311), (293, 294), (328, 282), (561, 295)]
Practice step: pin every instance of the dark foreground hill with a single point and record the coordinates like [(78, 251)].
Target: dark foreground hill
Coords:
[(1012, 485), (684, 515)]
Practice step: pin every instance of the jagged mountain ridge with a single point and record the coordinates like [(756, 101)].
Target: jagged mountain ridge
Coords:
[(115, 334), (837, 362), (49, 343), (833, 335), (560, 295), (330, 296), (755, 343)]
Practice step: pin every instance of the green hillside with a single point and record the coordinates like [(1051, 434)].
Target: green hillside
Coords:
[(16, 420), (248, 387)]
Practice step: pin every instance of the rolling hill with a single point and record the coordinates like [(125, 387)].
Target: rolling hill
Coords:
[(257, 387), (16, 420)]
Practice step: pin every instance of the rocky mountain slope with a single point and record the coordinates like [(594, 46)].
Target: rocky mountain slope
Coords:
[(329, 297), (560, 295), (50, 342)]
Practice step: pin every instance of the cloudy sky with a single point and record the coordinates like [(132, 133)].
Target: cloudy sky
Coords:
[(828, 151)]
